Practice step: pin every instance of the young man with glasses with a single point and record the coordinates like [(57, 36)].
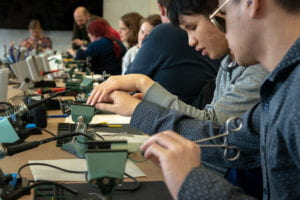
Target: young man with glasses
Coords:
[(270, 29)]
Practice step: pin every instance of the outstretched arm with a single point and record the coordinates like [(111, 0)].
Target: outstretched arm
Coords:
[(119, 102), (235, 99), (129, 83)]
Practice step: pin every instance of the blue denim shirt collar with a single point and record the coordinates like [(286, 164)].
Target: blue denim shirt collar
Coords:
[(288, 62), (283, 69)]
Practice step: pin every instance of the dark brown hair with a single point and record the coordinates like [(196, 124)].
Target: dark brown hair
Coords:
[(190, 7), (289, 5), (154, 20), (164, 3)]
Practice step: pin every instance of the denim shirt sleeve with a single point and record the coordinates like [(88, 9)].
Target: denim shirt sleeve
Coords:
[(203, 184), (159, 119)]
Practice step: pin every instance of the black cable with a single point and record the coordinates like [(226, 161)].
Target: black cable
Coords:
[(31, 106), (137, 184), (121, 188), (86, 177), (136, 187), (47, 131), (102, 138), (48, 165), (11, 150)]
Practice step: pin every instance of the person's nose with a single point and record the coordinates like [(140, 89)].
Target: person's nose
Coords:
[(192, 41)]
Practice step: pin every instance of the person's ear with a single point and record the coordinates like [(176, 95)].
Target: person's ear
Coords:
[(254, 7), (162, 10)]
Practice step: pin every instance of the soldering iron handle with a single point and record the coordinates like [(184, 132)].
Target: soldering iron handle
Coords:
[(11, 150), (44, 100)]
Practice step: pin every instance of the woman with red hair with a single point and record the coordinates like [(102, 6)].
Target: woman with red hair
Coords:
[(105, 50)]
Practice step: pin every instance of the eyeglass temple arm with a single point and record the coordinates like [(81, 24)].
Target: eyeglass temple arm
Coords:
[(218, 9)]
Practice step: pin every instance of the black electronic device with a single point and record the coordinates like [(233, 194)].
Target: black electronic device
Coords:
[(147, 191), (53, 104), (37, 115), (45, 84), (12, 188)]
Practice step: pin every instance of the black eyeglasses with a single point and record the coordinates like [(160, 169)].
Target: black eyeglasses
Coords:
[(218, 20)]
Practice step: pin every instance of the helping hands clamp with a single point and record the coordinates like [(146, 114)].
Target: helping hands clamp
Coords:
[(106, 160), (81, 114)]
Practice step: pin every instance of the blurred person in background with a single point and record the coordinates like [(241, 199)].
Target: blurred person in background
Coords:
[(37, 40), (129, 27), (147, 25), (80, 36), (105, 51), (112, 30)]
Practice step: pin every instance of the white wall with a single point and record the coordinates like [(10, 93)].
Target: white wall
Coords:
[(114, 9)]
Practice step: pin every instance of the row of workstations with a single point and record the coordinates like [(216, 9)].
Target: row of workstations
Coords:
[(50, 151)]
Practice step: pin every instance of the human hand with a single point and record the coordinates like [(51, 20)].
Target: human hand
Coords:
[(119, 102), (78, 42), (129, 83), (176, 156), (139, 96)]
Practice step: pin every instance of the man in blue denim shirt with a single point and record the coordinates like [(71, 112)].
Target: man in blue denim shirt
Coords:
[(270, 29)]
